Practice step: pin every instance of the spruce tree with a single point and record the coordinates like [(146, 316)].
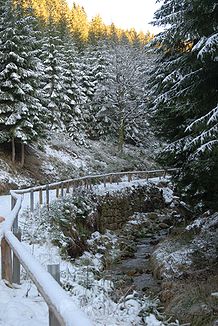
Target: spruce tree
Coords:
[(54, 82), (21, 111), (185, 97)]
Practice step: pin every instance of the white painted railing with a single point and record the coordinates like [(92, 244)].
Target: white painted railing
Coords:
[(58, 301)]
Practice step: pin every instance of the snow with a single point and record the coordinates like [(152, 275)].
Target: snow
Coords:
[(48, 287), (6, 177), (173, 262), (22, 306), (5, 204), (151, 320), (65, 157), (114, 187), (167, 195), (87, 293), (196, 224)]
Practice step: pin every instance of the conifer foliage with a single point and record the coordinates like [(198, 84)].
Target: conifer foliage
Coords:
[(21, 111), (185, 94), (60, 72)]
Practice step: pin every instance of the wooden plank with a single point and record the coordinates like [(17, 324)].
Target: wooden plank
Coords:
[(6, 261), (16, 262)]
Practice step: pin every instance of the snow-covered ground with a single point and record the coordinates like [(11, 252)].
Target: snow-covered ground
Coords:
[(23, 305)]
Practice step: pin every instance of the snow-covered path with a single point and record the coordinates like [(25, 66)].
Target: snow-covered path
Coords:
[(22, 306), (5, 205)]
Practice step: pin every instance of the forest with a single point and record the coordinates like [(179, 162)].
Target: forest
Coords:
[(60, 71)]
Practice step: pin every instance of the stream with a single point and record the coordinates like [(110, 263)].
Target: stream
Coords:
[(134, 272)]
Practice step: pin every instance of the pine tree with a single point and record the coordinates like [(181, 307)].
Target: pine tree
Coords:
[(185, 94), (21, 111)]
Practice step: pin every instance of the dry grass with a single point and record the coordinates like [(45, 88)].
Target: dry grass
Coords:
[(192, 302)]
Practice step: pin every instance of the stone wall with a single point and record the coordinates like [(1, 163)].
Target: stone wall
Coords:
[(115, 209)]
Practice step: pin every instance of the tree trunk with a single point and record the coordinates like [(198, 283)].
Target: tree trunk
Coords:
[(13, 150), (121, 135), (22, 154)]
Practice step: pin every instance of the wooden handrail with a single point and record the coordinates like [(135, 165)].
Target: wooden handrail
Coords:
[(56, 298), (66, 313), (58, 301), (94, 176)]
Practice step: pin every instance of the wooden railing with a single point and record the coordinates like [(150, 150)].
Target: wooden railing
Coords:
[(63, 187), (59, 303)]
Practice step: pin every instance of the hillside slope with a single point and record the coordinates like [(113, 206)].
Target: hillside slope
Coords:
[(59, 158)]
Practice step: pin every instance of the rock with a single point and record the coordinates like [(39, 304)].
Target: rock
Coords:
[(132, 272), (152, 216), (200, 309), (154, 242), (163, 225), (148, 235)]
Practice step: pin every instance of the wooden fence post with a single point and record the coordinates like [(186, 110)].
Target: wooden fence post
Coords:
[(47, 196), (68, 188), (6, 261), (40, 197), (13, 202), (15, 224), (57, 191), (31, 200), (16, 262), (62, 189), (54, 270)]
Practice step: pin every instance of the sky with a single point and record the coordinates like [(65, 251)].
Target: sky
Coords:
[(124, 13)]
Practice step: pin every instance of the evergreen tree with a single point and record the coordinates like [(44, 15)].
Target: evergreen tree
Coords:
[(55, 81), (79, 25), (185, 94), (97, 29), (74, 122), (21, 111)]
